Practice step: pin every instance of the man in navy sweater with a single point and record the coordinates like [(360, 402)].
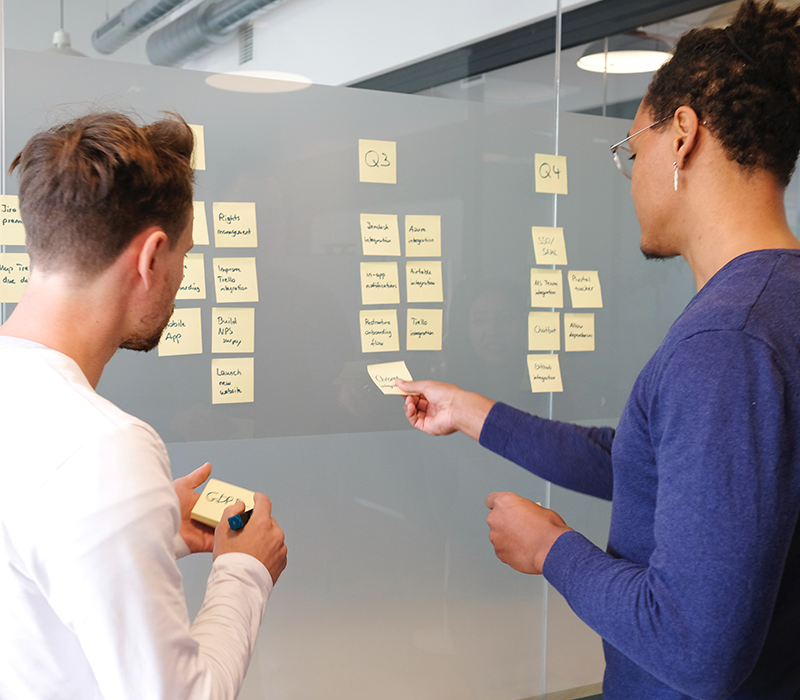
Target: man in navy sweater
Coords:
[(698, 593)]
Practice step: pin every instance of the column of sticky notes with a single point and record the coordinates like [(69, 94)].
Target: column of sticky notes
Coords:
[(546, 323)]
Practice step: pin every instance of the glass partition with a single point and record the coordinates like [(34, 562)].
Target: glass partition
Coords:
[(392, 588)]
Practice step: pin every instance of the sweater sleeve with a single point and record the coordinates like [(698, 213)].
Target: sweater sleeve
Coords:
[(110, 573), (697, 613), (569, 455)]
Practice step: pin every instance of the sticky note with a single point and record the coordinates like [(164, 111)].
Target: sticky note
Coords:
[(384, 375), (380, 234), (12, 232), (379, 332), (424, 281), (183, 335), (547, 288), (216, 497), (199, 153), (584, 289), (377, 161), (545, 373), (235, 225), (235, 280), (423, 236), (548, 244), (200, 224), (193, 285), (380, 283), (579, 332), (232, 329), (544, 330), (232, 380), (551, 173), (424, 329), (15, 270)]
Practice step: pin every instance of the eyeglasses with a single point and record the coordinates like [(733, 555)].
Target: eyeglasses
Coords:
[(625, 161)]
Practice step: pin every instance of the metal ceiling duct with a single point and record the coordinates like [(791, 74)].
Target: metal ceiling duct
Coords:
[(130, 22), (196, 32)]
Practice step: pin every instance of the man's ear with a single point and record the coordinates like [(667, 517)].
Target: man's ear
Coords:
[(152, 244), (685, 125)]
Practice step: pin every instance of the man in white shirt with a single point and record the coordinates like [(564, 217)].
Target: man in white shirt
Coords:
[(91, 523)]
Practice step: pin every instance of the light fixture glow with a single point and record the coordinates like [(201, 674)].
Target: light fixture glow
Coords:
[(258, 81), (624, 61)]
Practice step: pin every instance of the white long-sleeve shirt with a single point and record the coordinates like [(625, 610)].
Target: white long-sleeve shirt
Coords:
[(93, 601)]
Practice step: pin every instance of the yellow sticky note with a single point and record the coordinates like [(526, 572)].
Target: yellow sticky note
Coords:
[(235, 225), (380, 234), (12, 232), (377, 161), (545, 373), (584, 288), (183, 335), (549, 246), (235, 280), (424, 329), (199, 152), (544, 330), (216, 497), (423, 236), (379, 330), (233, 330), (384, 375), (579, 332), (193, 284), (15, 270), (551, 173), (232, 380), (424, 281), (380, 283), (200, 225), (547, 288)]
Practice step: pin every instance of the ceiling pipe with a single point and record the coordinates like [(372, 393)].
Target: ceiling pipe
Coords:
[(211, 23), (130, 22)]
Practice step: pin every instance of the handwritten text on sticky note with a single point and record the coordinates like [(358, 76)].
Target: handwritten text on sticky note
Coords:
[(379, 331), (235, 280), (233, 330), (544, 330), (384, 376), (584, 288), (235, 225), (545, 373), (183, 335), (424, 281), (551, 174), (548, 244), (380, 283), (579, 332), (380, 234), (547, 288), (15, 270), (377, 161), (423, 236), (193, 284), (232, 380), (424, 329), (12, 232)]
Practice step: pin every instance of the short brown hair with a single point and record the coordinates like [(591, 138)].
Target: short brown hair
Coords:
[(745, 81), (89, 186)]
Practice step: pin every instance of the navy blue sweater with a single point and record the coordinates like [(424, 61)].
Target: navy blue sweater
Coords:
[(698, 593)]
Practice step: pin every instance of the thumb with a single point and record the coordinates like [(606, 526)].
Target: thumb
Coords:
[(490, 500), (409, 385), (199, 475)]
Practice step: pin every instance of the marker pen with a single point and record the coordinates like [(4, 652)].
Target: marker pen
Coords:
[(238, 521)]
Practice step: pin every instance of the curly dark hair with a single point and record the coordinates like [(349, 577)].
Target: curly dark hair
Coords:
[(744, 80), (88, 187)]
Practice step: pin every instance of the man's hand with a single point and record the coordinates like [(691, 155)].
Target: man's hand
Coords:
[(262, 537), (199, 537), (521, 531), (441, 409)]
